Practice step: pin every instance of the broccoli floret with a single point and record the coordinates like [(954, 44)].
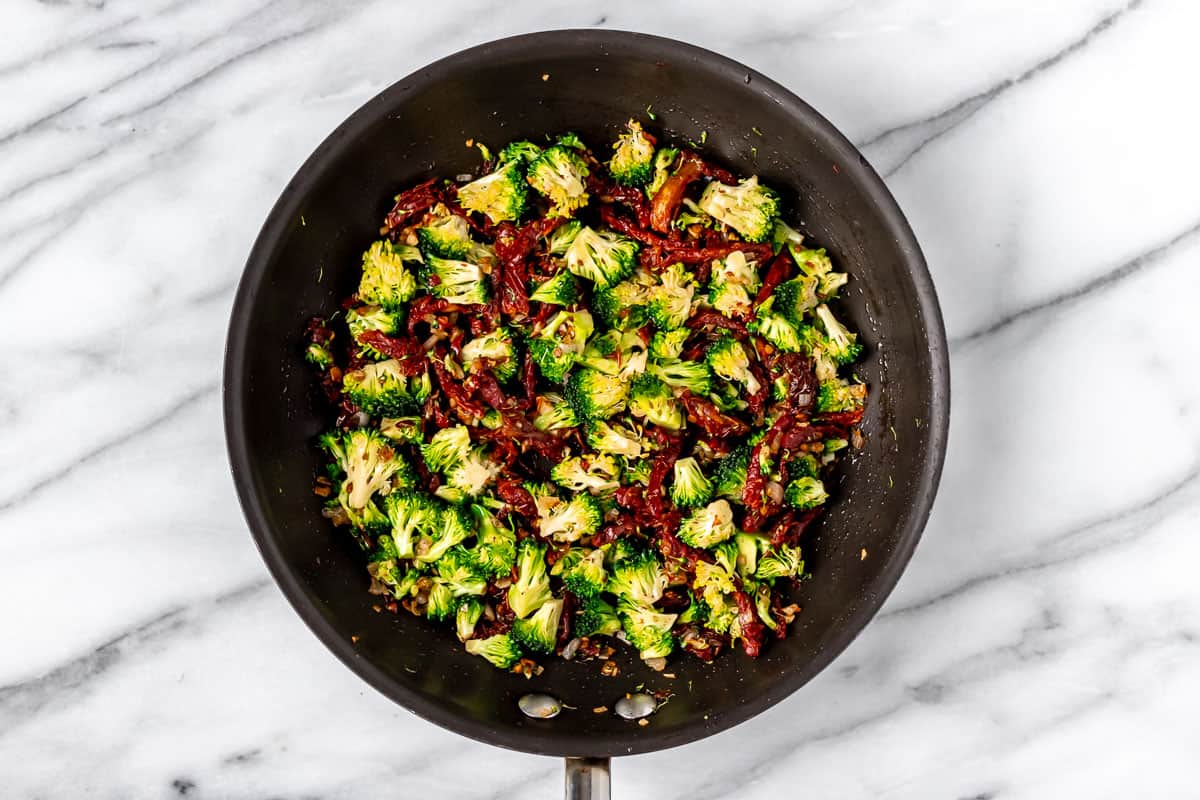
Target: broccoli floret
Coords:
[(815, 264), (405, 430), (532, 587), (500, 650), (708, 526), (458, 570), (501, 195), (734, 282), (539, 633), (385, 280), (372, 318), (785, 235), (749, 208), (449, 236), (650, 399), (624, 547), (572, 140), (730, 476), (497, 348), (726, 554), (440, 604), (598, 477), (715, 585), (647, 629), (559, 239), (632, 163), (559, 173), (520, 152), (690, 488), (727, 359), (554, 414), (495, 549), (834, 445), (392, 575), (776, 329), (805, 492), (841, 344), (616, 439), (762, 603), (382, 389), (560, 290), (620, 353), (556, 347), (805, 465), (691, 375), (447, 448), (638, 471), (664, 160), (602, 257), (780, 562), (691, 214), (467, 617), (671, 300), (622, 306), (667, 345), (454, 527), (596, 617), (595, 395), (368, 461), (459, 282), (412, 516), (747, 546), (638, 578), (696, 612), (795, 298), (586, 576), (835, 395), (570, 521), (472, 474), (318, 356)]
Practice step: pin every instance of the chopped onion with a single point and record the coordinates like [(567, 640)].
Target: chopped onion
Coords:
[(572, 646)]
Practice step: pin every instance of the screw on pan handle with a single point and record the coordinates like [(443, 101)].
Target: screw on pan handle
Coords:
[(587, 779)]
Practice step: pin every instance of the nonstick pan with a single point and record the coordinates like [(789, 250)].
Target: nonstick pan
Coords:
[(306, 259)]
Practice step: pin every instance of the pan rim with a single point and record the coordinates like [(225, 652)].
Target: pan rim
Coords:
[(235, 389)]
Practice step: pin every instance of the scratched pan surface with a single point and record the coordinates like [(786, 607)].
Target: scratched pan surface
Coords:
[(495, 93)]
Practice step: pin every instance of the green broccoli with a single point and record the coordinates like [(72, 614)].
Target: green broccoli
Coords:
[(650, 399), (804, 465), (472, 474), (815, 264), (585, 576), (726, 554), (501, 195), (447, 448), (664, 161), (749, 208), (559, 239), (615, 438), (521, 152), (599, 476), (638, 470), (596, 617), (554, 414), (671, 300), (449, 236), (500, 650), (747, 545), (440, 604), (780, 562), (696, 612), (412, 515), (785, 235), (622, 306), (632, 163), (730, 476), (595, 395), (694, 376), (368, 461), (708, 526), (602, 257), (559, 173), (776, 328), (639, 578), (571, 520), (319, 356), (460, 573), (805, 493), (385, 280), (647, 629), (459, 282), (557, 345), (841, 344), (454, 528), (733, 284), (532, 587), (539, 633), (381, 389), (495, 549), (405, 430), (497, 348), (559, 290), (668, 345), (716, 587), (727, 359), (836, 395), (470, 609), (620, 353), (690, 488), (691, 214), (795, 298), (762, 604)]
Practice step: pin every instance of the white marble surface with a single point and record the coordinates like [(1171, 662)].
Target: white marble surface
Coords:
[(1043, 644)]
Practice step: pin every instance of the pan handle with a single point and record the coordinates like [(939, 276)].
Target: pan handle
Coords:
[(587, 779)]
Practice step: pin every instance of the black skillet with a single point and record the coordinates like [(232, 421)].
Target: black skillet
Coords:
[(306, 259)]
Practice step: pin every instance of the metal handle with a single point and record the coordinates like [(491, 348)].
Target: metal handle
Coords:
[(587, 779)]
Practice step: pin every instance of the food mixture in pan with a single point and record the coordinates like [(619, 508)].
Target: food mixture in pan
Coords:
[(588, 398)]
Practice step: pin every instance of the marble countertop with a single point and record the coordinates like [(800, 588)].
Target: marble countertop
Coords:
[(1043, 642)]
